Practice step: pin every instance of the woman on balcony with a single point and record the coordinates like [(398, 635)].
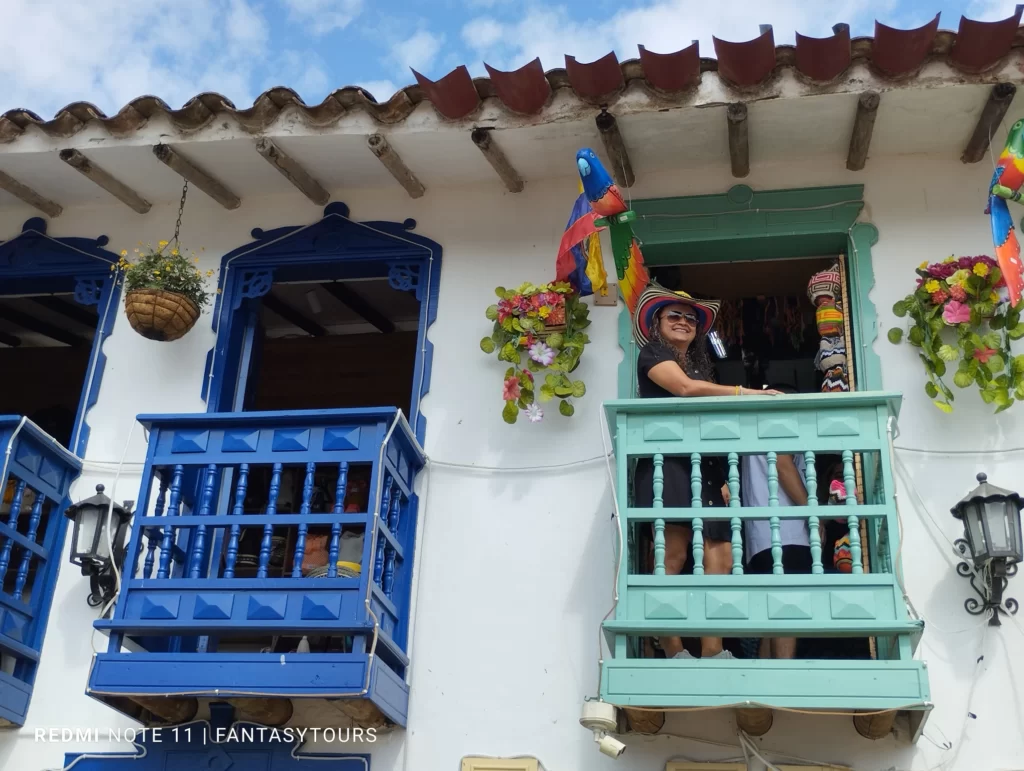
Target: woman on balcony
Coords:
[(671, 329)]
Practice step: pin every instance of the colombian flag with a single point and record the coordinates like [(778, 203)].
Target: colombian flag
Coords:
[(580, 261)]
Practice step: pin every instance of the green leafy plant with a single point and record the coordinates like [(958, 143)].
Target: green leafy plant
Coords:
[(165, 268), (538, 330), (957, 317)]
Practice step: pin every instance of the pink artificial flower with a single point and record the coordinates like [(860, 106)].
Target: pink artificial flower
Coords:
[(942, 269), (956, 313), (505, 309), (984, 354), (510, 391), (542, 354)]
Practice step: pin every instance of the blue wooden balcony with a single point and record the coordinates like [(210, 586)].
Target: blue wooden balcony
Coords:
[(269, 566), (855, 637), (35, 474)]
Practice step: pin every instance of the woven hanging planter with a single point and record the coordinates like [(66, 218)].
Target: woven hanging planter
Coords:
[(159, 315)]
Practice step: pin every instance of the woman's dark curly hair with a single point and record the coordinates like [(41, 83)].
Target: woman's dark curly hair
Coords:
[(697, 362)]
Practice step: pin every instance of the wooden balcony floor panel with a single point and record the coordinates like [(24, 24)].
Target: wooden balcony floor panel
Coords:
[(14, 699), (793, 684)]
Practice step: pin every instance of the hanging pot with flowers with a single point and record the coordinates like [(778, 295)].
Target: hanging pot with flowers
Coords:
[(165, 291), (538, 330), (958, 315)]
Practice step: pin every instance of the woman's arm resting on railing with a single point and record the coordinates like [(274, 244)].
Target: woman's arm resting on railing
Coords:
[(671, 377), (790, 480)]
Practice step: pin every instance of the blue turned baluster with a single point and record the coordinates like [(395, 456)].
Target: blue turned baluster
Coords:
[(205, 504), (813, 523), (26, 557), (339, 509), (659, 524), (151, 533), (378, 563), (735, 523), (852, 521), (231, 554), (698, 524), (774, 522), (268, 530), (12, 522), (389, 552), (300, 540), (173, 510)]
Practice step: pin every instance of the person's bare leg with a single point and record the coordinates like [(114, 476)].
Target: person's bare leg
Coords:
[(764, 650), (677, 544), (717, 562), (784, 648)]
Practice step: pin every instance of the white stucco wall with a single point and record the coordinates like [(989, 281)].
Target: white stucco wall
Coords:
[(516, 569)]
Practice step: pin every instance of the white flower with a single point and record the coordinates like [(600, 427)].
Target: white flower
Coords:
[(542, 354), (534, 413)]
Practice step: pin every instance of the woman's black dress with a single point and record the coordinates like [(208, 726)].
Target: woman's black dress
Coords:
[(676, 492)]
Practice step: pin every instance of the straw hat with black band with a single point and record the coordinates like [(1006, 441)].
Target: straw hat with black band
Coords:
[(656, 297)]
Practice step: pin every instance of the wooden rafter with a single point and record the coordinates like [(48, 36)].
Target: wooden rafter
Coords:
[(9, 340), (276, 305), (196, 176), (863, 127), (615, 147), (115, 187), (739, 140), (385, 154), (29, 196), (292, 171), (483, 140), (33, 324), (66, 309), (359, 305), (992, 114)]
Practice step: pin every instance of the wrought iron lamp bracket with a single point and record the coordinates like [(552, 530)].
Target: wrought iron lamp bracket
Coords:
[(989, 582)]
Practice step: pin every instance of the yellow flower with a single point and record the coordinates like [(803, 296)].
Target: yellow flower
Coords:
[(124, 252), (947, 260), (959, 278), (923, 265), (931, 286), (174, 251), (993, 297), (113, 268), (209, 273), (195, 260), (544, 311), (162, 244), (980, 269)]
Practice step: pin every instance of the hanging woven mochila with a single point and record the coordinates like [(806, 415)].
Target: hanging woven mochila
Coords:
[(165, 289)]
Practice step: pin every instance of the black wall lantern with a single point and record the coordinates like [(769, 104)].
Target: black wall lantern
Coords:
[(89, 546), (991, 518)]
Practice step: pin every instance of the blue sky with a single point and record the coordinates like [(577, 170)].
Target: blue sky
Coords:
[(110, 51)]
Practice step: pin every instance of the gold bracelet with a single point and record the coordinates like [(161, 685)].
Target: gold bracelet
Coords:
[(738, 390)]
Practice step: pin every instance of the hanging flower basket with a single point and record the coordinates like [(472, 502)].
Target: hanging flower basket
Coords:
[(159, 315)]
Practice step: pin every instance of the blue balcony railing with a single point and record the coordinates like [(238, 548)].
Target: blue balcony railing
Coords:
[(856, 638), (271, 558), (35, 474)]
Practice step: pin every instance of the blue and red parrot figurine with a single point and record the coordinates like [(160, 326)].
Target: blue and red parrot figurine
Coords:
[(605, 198), (1007, 181)]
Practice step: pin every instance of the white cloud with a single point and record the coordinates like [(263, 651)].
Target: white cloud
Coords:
[(989, 10), (481, 34), (323, 16), (382, 90), (417, 52)]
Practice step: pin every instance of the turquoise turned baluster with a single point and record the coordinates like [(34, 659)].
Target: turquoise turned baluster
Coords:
[(173, 510), (736, 523), (389, 551), (151, 533), (851, 521), (813, 523), (378, 563), (206, 502), (339, 509), (238, 510), (698, 523), (12, 522), (268, 529), (659, 524), (26, 557), (300, 540), (774, 523)]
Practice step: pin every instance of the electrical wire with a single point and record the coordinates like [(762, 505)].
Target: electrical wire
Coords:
[(747, 743)]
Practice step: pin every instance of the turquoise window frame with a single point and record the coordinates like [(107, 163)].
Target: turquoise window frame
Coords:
[(763, 225)]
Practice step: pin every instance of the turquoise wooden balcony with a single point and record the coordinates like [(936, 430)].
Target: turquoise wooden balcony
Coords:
[(831, 613), (35, 475), (269, 566)]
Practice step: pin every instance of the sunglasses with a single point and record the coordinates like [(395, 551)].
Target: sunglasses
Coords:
[(682, 316)]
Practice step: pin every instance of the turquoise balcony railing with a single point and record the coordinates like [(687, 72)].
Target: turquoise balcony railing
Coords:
[(269, 566), (35, 475), (855, 636)]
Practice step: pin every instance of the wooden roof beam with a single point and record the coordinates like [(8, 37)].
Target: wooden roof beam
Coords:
[(359, 305), (863, 127), (66, 309), (385, 154), (115, 187), (43, 328), (618, 158), (196, 176), (497, 159), (11, 341), (29, 196), (739, 139), (292, 171), (276, 305), (992, 113)]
